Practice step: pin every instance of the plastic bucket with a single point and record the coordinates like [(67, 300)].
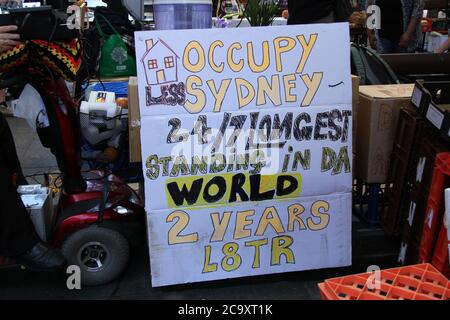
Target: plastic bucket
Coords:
[(182, 14)]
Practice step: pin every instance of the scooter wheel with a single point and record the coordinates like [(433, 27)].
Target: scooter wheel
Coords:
[(102, 254)]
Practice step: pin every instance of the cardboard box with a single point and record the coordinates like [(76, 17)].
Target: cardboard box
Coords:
[(355, 104), (378, 113), (134, 120)]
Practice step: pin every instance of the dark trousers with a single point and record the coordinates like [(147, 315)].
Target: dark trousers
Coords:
[(17, 233)]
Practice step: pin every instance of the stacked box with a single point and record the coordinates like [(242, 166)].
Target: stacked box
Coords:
[(412, 208), (355, 103), (134, 123), (409, 131), (432, 99), (378, 114)]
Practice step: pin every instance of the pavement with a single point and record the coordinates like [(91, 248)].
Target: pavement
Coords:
[(370, 246), (34, 158)]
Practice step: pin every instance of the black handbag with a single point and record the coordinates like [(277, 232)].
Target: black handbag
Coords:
[(367, 64)]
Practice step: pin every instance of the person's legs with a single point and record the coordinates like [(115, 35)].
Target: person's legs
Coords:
[(405, 50), (385, 46), (17, 234), (18, 238), (8, 148)]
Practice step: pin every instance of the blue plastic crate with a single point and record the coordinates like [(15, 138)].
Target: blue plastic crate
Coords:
[(119, 88)]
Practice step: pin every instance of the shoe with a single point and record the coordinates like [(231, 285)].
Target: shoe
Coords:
[(42, 257)]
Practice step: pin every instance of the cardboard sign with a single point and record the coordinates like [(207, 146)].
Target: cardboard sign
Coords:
[(246, 147), (192, 71), (253, 239), (309, 145)]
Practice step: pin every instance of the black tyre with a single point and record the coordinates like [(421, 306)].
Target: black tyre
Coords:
[(102, 254)]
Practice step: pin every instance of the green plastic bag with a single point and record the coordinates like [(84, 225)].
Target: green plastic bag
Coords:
[(115, 61)]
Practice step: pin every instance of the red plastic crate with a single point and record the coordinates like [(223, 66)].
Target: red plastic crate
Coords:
[(418, 282), (420, 174), (440, 256), (435, 207)]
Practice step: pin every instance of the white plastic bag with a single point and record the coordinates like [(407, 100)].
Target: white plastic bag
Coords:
[(31, 107)]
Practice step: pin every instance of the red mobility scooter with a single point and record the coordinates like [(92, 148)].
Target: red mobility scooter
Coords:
[(98, 215)]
